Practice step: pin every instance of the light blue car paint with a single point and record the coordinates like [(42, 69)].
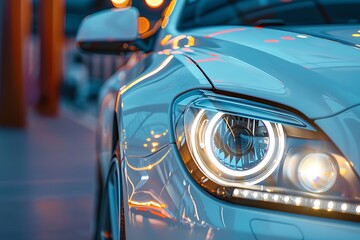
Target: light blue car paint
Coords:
[(313, 74)]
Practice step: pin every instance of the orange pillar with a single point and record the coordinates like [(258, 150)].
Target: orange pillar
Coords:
[(51, 26), (12, 92)]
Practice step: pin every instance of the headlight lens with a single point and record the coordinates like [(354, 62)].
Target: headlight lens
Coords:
[(246, 151), (232, 148), (317, 172)]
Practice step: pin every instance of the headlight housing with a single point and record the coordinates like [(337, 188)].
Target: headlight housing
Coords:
[(263, 156)]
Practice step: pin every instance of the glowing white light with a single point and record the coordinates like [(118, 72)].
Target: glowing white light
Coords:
[(302, 36), (261, 166), (245, 193), (276, 197), (330, 205), (344, 207), (317, 172), (265, 196), (236, 192), (317, 203), (358, 209)]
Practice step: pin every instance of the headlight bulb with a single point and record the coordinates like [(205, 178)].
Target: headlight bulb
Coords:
[(317, 172)]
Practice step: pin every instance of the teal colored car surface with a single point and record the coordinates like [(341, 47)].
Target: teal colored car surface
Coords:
[(231, 120)]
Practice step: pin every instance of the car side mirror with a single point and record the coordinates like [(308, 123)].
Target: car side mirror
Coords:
[(109, 32)]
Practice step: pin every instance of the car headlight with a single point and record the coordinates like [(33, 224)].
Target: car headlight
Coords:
[(263, 156)]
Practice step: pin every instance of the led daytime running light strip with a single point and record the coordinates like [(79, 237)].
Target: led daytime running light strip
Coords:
[(317, 204)]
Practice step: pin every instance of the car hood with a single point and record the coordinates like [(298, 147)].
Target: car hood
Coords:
[(313, 70)]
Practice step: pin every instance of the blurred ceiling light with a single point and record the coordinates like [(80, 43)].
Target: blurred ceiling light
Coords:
[(168, 11), (121, 3), (144, 25), (154, 3)]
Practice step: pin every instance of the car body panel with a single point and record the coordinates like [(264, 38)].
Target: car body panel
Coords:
[(279, 66), (293, 69), (164, 201), (344, 33), (141, 75), (151, 112), (107, 117)]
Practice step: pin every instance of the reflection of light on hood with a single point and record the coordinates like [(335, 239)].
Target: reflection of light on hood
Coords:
[(302, 36), (191, 41), (146, 76), (214, 57), (165, 39), (271, 41), (150, 166), (175, 41), (224, 31), (287, 38)]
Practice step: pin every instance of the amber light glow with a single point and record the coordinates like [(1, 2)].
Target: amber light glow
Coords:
[(121, 3), (168, 11), (154, 3), (144, 25), (165, 39), (152, 207)]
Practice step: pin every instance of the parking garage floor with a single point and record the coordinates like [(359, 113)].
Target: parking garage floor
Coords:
[(47, 178)]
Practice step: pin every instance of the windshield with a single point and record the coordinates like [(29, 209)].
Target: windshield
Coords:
[(199, 13)]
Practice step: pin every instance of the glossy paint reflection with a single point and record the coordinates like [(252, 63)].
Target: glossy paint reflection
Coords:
[(251, 65), (224, 32), (125, 88), (169, 202), (162, 199), (152, 112)]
